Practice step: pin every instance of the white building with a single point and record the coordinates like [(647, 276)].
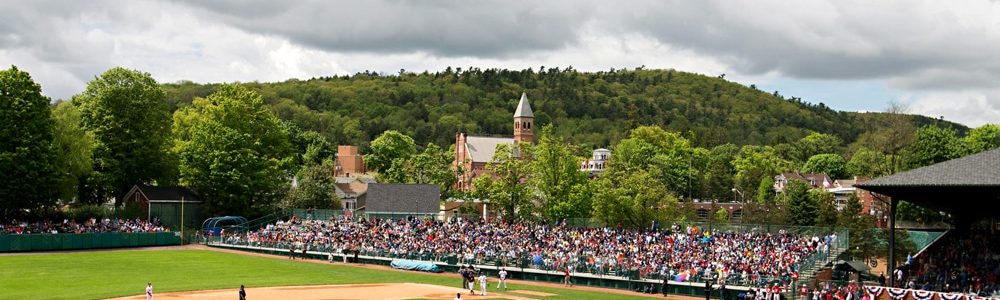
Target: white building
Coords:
[(595, 165)]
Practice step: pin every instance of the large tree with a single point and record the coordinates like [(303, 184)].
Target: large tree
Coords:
[(832, 165), (826, 209), (75, 146), (432, 166), (316, 188), (26, 155), (127, 113), (932, 145), (815, 143), (754, 163), (632, 199), (392, 147), (868, 163), (505, 189), (982, 138), (236, 153), (563, 188), (652, 148), (801, 207)]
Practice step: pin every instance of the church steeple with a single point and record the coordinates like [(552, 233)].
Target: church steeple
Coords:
[(523, 119)]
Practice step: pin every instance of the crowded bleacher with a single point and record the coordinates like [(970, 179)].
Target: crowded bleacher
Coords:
[(683, 253), (92, 225), (966, 262)]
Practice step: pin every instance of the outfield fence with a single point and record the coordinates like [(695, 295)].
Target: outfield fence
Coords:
[(76, 241)]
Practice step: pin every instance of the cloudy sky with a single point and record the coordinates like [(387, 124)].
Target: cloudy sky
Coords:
[(941, 58)]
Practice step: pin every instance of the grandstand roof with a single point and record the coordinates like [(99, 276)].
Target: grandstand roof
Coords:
[(961, 186), (400, 198)]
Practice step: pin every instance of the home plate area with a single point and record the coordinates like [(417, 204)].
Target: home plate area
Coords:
[(337, 292)]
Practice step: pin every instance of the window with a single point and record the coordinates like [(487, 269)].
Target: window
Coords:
[(703, 213)]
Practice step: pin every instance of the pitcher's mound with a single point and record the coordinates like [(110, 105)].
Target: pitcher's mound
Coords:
[(333, 292)]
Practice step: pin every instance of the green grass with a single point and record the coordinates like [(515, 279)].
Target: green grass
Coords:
[(90, 275)]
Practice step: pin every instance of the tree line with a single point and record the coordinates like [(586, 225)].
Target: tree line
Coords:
[(675, 137)]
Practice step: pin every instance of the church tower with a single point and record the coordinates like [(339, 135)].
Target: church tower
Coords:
[(523, 119)]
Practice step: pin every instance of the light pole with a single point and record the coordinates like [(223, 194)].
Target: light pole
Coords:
[(743, 209)]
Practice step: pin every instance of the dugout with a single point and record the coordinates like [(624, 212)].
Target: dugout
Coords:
[(170, 204), (963, 187), (217, 224)]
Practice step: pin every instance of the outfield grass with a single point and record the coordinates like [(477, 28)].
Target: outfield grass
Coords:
[(90, 275)]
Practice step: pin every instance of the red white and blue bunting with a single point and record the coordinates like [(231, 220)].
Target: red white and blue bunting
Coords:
[(922, 295), (897, 293), (949, 296), (875, 291)]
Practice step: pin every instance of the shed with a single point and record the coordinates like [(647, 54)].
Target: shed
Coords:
[(170, 204)]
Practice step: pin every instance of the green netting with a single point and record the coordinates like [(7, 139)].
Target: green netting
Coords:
[(923, 239)]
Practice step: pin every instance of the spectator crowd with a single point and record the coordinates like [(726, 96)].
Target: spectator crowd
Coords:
[(91, 225), (682, 253), (966, 262)]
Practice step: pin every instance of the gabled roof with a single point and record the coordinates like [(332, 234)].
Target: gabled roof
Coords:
[(523, 108), (401, 198), (962, 186), (481, 149), (981, 169), (165, 193)]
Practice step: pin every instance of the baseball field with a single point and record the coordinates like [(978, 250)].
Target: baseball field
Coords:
[(205, 274)]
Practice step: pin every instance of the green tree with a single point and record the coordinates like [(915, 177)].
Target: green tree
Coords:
[(816, 143), (722, 215), (832, 165), (851, 212), (982, 138), (867, 163), (801, 208), (765, 191), (388, 148), (826, 210), (932, 144), (754, 163), (433, 166), (653, 149), (75, 146), (632, 199), (26, 154), (719, 173), (237, 156), (506, 190), (556, 175), (127, 113), (316, 188)]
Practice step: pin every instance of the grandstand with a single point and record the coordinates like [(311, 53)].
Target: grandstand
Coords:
[(743, 256), (965, 259)]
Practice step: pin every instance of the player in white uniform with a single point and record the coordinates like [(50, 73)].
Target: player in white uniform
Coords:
[(149, 291), (482, 283), (503, 279)]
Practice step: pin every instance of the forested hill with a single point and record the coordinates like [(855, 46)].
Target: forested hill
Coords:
[(590, 109)]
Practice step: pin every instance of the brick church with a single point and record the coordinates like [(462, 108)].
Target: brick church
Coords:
[(472, 153)]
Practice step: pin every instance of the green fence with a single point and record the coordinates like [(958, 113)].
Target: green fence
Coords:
[(47, 242)]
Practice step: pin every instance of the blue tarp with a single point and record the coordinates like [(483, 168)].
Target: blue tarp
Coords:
[(415, 265)]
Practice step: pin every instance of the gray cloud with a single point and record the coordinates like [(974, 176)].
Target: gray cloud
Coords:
[(459, 28), (922, 50)]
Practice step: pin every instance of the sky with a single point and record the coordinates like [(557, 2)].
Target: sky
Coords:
[(938, 58)]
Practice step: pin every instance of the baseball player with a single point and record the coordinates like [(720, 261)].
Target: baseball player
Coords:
[(243, 293), (149, 291), (482, 283), (503, 279)]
